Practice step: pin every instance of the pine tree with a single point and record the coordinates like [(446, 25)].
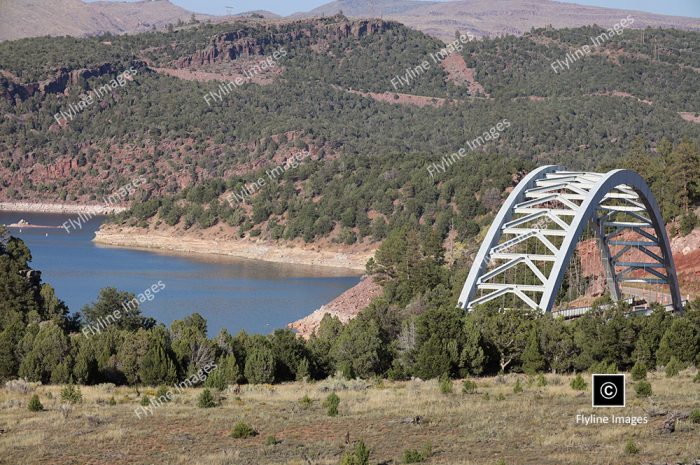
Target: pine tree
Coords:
[(260, 364), (684, 173), (157, 365), (533, 360)]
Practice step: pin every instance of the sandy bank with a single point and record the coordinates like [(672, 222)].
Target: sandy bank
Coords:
[(64, 208), (265, 251)]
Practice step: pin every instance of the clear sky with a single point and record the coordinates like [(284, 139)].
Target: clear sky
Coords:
[(284, 7)]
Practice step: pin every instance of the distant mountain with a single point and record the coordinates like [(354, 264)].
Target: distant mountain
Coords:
[(366, 8), (30, 18), (496, 17), (23, 18), (258, 14)]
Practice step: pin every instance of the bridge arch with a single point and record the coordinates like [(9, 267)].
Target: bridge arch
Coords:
[(541, 222)]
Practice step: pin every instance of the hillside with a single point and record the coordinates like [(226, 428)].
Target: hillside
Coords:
[(202, 150), (495, 17), (21, 19)]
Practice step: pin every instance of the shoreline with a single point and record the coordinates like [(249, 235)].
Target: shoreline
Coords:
[(61, 208), (262, 251)]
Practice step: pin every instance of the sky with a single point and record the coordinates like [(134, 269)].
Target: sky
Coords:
[(285, 7)]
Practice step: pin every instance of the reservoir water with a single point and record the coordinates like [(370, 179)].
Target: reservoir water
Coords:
[(258, 297)]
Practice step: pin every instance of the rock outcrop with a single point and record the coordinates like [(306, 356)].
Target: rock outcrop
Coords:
[(346, 307), (59, 83), (230, 46)]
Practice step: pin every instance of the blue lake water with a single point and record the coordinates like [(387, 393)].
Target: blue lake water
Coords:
[(233, 294)]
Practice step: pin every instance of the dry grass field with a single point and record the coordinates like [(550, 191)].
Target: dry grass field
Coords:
[(494, 425)]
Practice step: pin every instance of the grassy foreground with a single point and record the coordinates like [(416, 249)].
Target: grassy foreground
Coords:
[(493, 425)]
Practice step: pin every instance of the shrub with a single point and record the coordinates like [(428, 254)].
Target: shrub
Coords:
[(468, 386), (631, 448), (500, 396), (205, 399), (697, 377), (518, 386), (359, 456), (145, 401), (305, 401), (243, 430), (673, 367), (639, 371), (694, 416), (688, 223), (162, 394), (445, 384), (643, 388), (331, 404), (271, 440), (604, 368), (19, 385), (417, 456), (578, 384), (412, 456), (112, 401), (71, 394), (541, 380), (34, 404)]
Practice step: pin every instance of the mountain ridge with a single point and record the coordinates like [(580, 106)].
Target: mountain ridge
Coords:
[(482, 18)]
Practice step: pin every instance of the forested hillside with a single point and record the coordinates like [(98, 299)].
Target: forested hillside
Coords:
[(366, 173)]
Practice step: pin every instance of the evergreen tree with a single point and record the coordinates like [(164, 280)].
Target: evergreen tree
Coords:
[(225, 374), (533, 360), (157, 365), (684, 173), (259, 362)]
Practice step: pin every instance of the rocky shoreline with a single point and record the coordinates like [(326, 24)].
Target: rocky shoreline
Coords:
[(346, 307), (265, 251), (64, 208)]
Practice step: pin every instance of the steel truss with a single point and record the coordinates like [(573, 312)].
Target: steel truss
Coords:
[(548, 211)]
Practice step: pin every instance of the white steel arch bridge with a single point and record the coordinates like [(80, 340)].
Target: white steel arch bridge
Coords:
[(530, 244)]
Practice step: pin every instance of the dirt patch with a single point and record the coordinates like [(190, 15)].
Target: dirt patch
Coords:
[(400, 99), (458, 74), (223, 76), (689, 116)]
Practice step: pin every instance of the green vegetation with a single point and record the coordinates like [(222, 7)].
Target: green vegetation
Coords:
[(305, 401), (243, 430), (643, 389), (639, 371), (468, 386), (445, 384), (578, 383), (354, 172), (541, 380), (331, 404), (162, 394), (206, 399), (673, 367), (518, 387), (631, 448), (443, 341), (694, 416), (358, 456), (71, 394), (418, 456), (35, 404)]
